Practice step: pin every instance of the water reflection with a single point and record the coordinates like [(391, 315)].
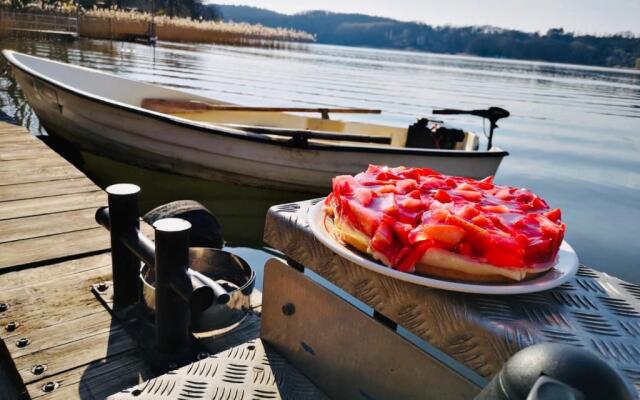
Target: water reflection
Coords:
[(573, 135), (241, 209)]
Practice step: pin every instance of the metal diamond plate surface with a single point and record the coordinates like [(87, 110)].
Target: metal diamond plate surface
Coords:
[(250, 371), (593, 310)]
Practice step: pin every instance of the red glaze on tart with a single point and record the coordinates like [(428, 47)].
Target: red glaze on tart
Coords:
[(420, 221)]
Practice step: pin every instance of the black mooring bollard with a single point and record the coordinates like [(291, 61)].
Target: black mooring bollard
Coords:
[(173, 285), (123, 204)]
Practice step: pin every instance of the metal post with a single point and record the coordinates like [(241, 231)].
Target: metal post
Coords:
[(173, 316), (123, 206)]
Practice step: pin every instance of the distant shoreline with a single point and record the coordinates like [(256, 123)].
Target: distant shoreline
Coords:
[(359, 30)]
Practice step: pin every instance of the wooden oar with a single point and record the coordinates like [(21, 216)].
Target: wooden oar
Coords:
[(173, 106), (302, 135)]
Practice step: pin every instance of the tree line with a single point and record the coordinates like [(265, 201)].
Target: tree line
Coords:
[(555, 45)]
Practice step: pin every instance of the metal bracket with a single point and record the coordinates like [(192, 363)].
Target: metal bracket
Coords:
[(345, 352)]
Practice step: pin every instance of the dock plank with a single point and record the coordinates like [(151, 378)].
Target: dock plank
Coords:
[(83, 351), (49, 304), (38, 174), (19, 165), (53, 247), (9, 137), (36, 190), (16, 137), (45, 225), (51, 204), (24, 154), (17, 144), (98, 380), (16, 280)]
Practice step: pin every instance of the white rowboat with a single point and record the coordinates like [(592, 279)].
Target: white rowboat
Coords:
[(170, 130)]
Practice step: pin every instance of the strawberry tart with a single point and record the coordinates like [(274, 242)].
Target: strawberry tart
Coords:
[(419, 221)]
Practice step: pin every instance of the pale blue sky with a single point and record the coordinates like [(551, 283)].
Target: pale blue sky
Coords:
[(583, 16)]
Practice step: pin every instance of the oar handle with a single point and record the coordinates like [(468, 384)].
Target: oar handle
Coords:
[(451, 111)]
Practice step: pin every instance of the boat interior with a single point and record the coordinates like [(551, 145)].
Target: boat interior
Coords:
[(287, 120), (275, 122)]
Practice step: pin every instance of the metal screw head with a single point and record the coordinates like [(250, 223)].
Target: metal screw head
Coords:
[(38, 369), (4, 307), (22, 342), (11, 326), (49, 387), (288, 309), (102, 286)]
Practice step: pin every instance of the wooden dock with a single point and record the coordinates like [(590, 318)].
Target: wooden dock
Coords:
[(61, 341), (41, 26)]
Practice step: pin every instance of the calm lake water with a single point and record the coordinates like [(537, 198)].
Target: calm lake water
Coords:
[(574, 133)]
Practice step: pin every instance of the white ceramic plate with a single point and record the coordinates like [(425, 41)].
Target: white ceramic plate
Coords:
[(564, 269)]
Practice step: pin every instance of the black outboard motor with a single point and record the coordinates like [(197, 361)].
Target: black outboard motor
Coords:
[(552, 371), (493, 114), (421, 135)]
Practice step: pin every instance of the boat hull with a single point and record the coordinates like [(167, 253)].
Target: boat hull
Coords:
[(146, 139)]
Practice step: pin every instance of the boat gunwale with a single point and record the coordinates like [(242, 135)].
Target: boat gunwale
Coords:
[(223, 131)]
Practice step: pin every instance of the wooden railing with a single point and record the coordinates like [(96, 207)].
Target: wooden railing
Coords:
[(40, 22)]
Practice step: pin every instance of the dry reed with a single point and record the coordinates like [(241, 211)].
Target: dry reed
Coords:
[(4, 25), (121, 25)]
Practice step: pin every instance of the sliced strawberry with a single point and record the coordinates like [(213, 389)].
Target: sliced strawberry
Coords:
[(468, 211), (465, 249), (524, 196), (538, 204), (386, 189), (504, 194), (433, 182), (412, 205), (449, 235), (554, 215), (539, 250), (343, 185), (499, 209), (466, 225), (364, 218), (482, 221), (502, 226), (363, 195), (466, 186), (406, 185), (402, 232), (408, 261), (504, 252), (550, 229), (486, 183), (451, 183), (387, 204), (382, 238), (438, 215), (441, 196), (468, 194)]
